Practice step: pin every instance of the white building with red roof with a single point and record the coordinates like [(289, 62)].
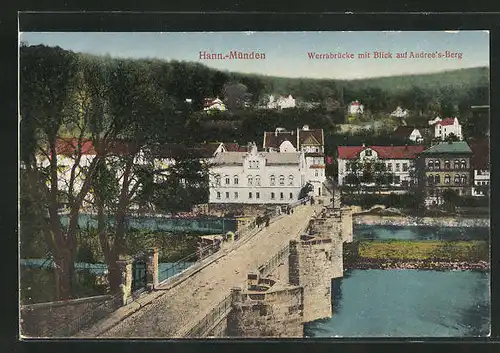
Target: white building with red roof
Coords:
[(447, 127), (398, 160), (355, 108), (213, 104)]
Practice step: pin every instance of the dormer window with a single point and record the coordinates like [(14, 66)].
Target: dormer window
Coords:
[(368, 153)]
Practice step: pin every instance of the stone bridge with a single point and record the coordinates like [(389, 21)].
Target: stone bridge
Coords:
[(267, 283)]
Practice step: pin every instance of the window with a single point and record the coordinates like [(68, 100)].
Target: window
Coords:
[(316, 173), (227, 179), (227, 195), (218, 195), (282, 180), (368, 153), (430, 180), (250, 180), (464, 179), (479, 172), (447, 164), (447, 179), (437, 179), (235, 180), (290, 180), (257, 180), (397, 179), (437, 164), (456, 164), (291, 195), (249, 195), (236, 195), (456, 179), (273, 180), (257, 195), (463, 164), (281, 196), (389, 166), (217, 180), (272, 196), (430, 164), (397, 167), (405, 167)]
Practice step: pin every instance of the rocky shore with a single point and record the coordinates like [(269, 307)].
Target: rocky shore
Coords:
[(365, 264), (421, 221)]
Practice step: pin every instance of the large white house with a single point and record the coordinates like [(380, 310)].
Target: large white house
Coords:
[(256, 177), (446, 127), (281, 102), (398, 160), (308, 141)]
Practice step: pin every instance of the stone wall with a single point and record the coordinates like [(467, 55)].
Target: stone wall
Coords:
[(246, 210), (220, 330), (311, 268), (275, 313), (38, 320), (347, 223)]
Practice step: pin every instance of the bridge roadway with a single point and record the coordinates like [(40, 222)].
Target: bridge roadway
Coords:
[(168, 312)]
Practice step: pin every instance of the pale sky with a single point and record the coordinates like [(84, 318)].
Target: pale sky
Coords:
[(286, 52)]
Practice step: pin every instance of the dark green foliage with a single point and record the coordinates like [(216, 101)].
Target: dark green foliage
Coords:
[(411, 200)]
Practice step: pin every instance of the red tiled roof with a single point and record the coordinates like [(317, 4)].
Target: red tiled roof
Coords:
[(481, 153), (232, 146), (447, 121), (316, 133), (68, 146), (271, 139), (384, 152)]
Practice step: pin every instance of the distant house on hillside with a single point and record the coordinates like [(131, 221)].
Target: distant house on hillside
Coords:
[(434, 121), (447, 127), (400, 113), (281, 102), (210, 104), (409, 133), (355, 108)]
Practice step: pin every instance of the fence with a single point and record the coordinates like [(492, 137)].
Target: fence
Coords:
[(242, 233), (205, 325), (274, 261), (88, 318)]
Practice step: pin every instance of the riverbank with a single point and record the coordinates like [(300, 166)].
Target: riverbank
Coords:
[(370, 219), (419, 265), (430, 255)]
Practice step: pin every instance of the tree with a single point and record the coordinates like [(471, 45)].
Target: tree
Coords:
[(451, 199), (236, 95), (54, 95)]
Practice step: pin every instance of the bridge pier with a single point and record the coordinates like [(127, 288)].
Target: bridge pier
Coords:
[(310, 267), (152, 269), (125, 266), (267, 308)]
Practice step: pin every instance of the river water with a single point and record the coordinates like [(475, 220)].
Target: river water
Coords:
[(408, 303)]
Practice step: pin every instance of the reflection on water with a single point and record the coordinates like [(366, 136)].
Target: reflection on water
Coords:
[(407, 303), (382, 232)]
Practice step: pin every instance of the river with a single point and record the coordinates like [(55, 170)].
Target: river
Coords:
[(408, 303), (384, 232)]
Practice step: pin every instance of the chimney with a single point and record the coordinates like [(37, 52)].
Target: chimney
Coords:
[(364, 144)]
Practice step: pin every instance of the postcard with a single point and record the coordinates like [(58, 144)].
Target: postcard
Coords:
[(254, 184)]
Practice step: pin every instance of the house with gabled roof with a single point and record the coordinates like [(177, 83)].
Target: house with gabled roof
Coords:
[(309, 141), (480, 165), (409, 133), (446, 127), (400, 161), (445, 166)]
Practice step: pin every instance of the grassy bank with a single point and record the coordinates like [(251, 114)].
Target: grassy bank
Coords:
[(408, 251)]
